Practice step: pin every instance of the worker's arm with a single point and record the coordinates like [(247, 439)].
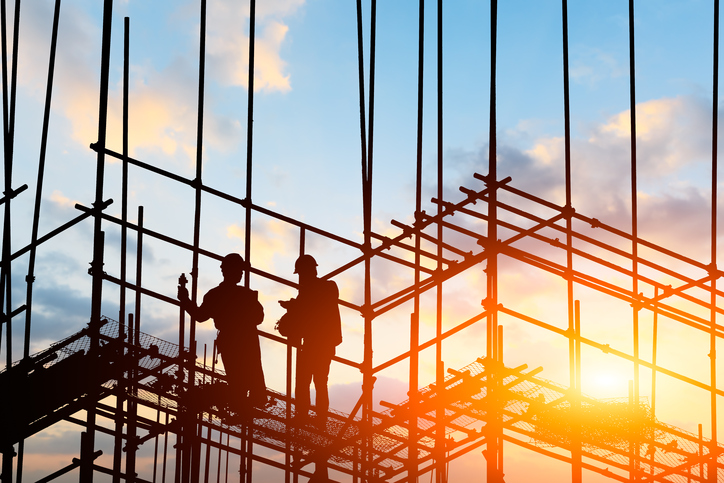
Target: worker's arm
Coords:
[(201, 313)]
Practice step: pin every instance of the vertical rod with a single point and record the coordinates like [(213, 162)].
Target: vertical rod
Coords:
[(415, 318), (713, 472), (213, 381), (226, 462), (634, 198), (492, 175), (124, 177), (179, 448), (493, 470), (700, 450), (9, 151), (6, 471), (30, 278), (288, 414), (165, 451), (3, 56), (124, 234), (500, 403), (5, 277), (86, 468), (577, 357), (218, 458), (576, 469), (41, 176), (14, 75), (634, 224), (367, 382), (577, 329), (198, 181), (155, 440), (249, 139), (135, 322), (247, 457), (180, 416), (194, 446), (632, 445), (654, 350), (209, 434), (441, 474), (131, 405)]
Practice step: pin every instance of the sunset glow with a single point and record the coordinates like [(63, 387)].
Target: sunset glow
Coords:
[(524, 239)]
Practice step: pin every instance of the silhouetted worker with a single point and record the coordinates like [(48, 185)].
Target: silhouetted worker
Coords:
[(317, 309), (236, 312)]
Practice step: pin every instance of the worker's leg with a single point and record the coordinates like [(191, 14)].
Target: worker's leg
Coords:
[(303, 380), (322, 362), (255, 374)]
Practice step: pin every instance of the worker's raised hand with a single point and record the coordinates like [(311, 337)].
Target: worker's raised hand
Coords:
[(183, 293)]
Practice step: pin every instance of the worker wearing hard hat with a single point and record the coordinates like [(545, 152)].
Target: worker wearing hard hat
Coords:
[(236, 312), (317, 311)]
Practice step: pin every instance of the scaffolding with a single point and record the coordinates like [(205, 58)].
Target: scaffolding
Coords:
[(142, 391)]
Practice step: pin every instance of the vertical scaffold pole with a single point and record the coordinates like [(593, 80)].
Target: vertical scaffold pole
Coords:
[(194, 445), (367, 361), (30, 278), (494, 432), (247, 458), (415, 318), (86, 468), (633, 471), (576, 472), (368, 379), (713, 472), (440, 470), (8, 453), (135, 322), (366, 164), (124, 239)]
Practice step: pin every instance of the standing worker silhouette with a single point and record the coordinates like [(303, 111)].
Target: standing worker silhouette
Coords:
[(316, 307), (236, 312)]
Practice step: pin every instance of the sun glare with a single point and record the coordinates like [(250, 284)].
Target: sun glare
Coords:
[(606, 383)]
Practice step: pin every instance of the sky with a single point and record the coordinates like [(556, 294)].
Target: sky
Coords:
[(306, 166)]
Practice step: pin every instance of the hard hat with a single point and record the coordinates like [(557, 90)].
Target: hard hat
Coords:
[(234, 261), (305, 262)]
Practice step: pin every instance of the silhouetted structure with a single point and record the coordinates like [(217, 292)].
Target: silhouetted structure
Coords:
[(195, 428)]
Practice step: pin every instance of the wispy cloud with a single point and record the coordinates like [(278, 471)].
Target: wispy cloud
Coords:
[(228, 43), (163, 115)]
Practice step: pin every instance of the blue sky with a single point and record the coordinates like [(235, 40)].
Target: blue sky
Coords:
[(307, 153)]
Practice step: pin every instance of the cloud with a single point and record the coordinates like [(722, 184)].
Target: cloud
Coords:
[(590, 66), (61, 200), (228, 43), (673, 163), (163, 103), (272, 241)]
